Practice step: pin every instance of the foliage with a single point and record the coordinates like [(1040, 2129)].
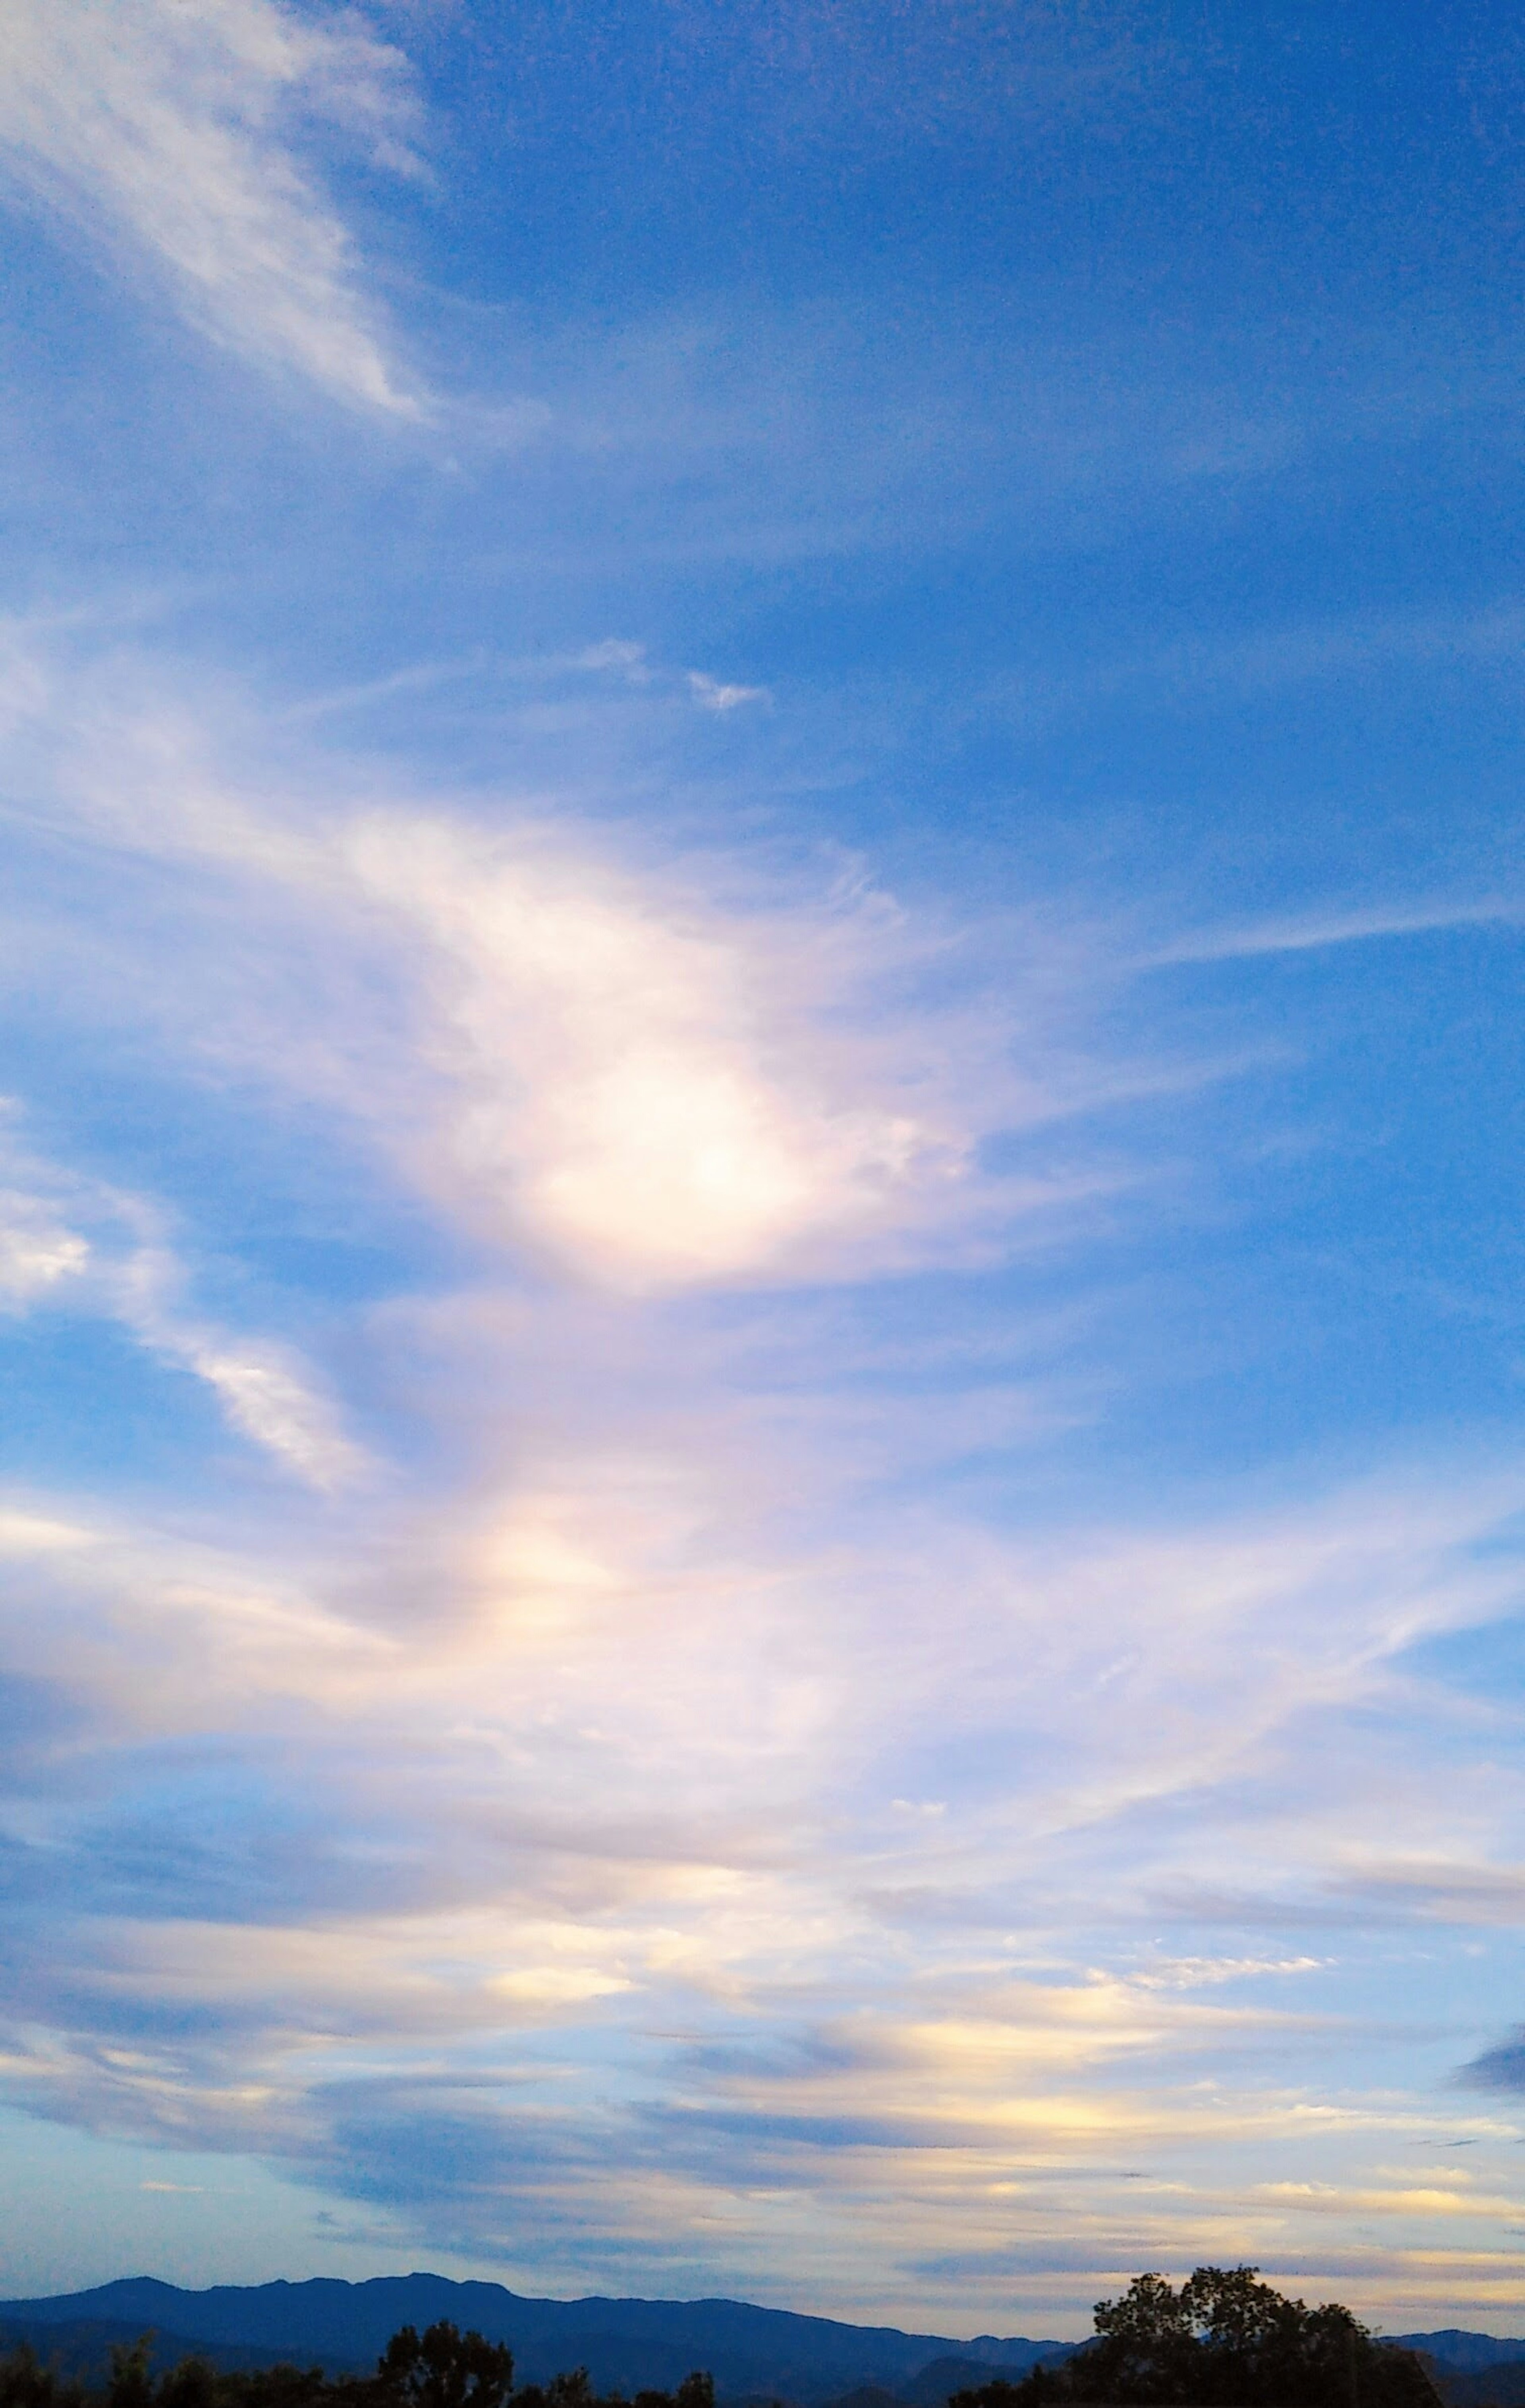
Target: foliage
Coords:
[(1038, 2388), (440, 2369), (132, 2378), (445, 2369), (191, 2384), (24, 2383), (1223, 2340), (283, 2387)]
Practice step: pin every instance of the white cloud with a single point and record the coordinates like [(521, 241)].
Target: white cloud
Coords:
[(267, 1394), (665, 1711), (710, 695), (1314, 931), (125, 1272), (623, 1081), (37, 1250), (171, 130), (611, 1778), (617, 652), (660, 1076)]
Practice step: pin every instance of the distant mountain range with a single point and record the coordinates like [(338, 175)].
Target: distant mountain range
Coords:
[(1466, 2351), (625, 2344), (755, 2353), (1472, 2370)]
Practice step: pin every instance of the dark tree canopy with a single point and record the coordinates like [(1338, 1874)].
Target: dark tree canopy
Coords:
[(1222, 2340), (445, 2369), (26, 2382)]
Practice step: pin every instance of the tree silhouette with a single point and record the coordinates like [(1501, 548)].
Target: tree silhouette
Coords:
[(191, 2384), (131, 2384), (443, 2369), (446, 2370), (24, 2383), (1227, 2338)]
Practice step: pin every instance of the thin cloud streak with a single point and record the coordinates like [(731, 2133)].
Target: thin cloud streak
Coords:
[(126, 1270), (1317, 931), (168, 130)]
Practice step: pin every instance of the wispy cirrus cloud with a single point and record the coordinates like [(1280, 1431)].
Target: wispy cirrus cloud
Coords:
[(613, 1761), (1314, 931), (662, 1071), (37, 1250), (174, 137), (74, 1243), (676, 1779), (729, 1562)]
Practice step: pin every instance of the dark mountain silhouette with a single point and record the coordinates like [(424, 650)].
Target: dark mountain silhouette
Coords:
[(1471, 2369), (81, 2348), (625, 2344), (1463, 2350), (1480, 2386)]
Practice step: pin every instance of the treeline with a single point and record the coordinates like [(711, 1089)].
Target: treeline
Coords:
[(1222, 2340), (441, 2368)]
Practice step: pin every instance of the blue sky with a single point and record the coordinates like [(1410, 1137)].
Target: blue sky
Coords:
[(763, 1436)]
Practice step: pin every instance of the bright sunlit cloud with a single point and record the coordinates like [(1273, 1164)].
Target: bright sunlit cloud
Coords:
[(664, 1086)]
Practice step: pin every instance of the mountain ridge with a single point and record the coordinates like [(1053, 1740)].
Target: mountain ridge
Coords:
[(625, 2343), (1469, 2351)]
